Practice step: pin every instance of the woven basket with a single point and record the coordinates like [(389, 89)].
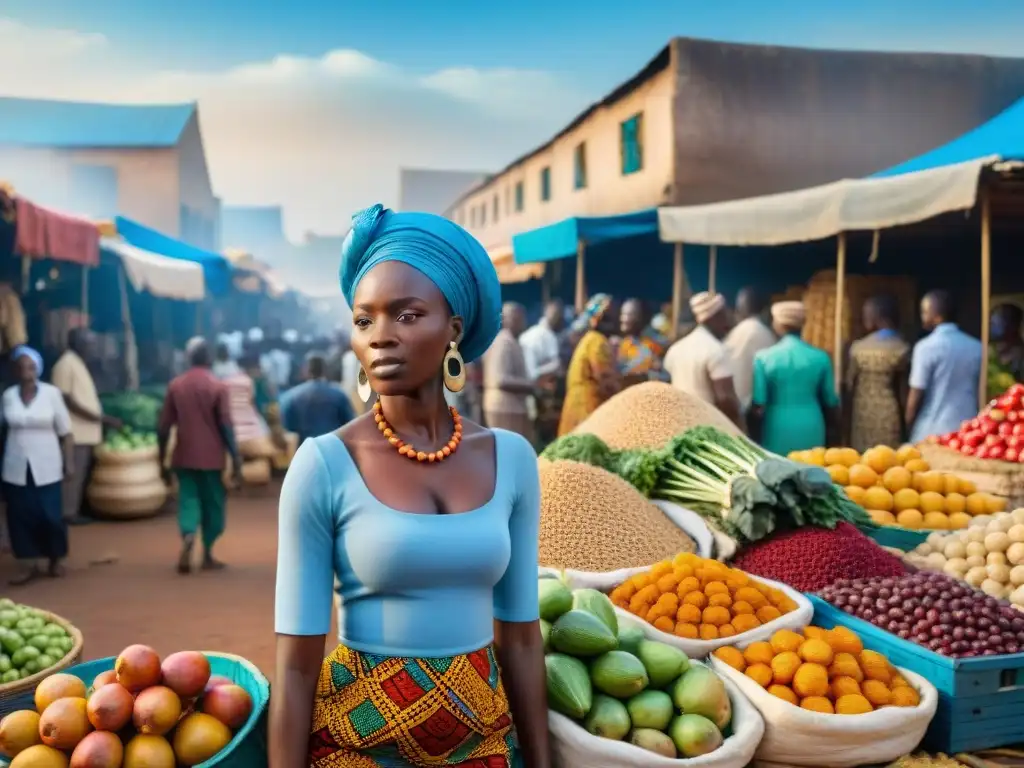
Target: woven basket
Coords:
[(126, 502), (248, 747), (105, 456), (21, 695), (139, 473), (1000, 478)]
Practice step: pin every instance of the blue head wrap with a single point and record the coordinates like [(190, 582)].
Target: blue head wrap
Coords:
[(443, 251), (26, 351)]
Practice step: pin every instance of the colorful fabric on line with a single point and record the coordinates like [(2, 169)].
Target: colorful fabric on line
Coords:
[(389, 712)]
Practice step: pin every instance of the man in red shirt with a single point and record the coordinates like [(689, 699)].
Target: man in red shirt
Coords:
[(197, 404)]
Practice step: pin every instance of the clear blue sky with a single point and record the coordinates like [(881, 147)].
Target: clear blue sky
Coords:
[(596, 41)]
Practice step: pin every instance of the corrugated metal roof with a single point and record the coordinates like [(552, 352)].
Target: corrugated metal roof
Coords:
[(67, 124)]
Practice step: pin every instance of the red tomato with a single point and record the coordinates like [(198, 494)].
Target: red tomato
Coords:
[(1017, 390), (1020, 457), (990, 427), (1014, 441), (1018, 428), (975, 423), (955, 443), (1013, 417), (996, 452), (1005, 429), (944, 440), (970, 450), (973, 439)]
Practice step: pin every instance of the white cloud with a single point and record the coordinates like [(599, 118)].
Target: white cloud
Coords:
[(323, 136)]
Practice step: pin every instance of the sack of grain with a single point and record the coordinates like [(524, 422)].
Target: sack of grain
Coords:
[(593, 520), (650, 414)]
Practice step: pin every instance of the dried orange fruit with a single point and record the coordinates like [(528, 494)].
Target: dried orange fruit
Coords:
[(844, 640), (744, 622), (816, 652), (687, 630), (846, 665), (783, 692), (875, 666), (784, 666), (817, 704), (853, 704), (759, 652), (904, 696), (810, 680), (727, 654), (760, 674), (786, 640), (708, 632), (876, 692)]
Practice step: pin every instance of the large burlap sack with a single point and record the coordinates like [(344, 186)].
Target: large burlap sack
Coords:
[(799, 737), (574, 747), (695, 649)]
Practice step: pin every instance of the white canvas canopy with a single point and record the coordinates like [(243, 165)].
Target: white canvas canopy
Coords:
[(821, 212), (159, 275)]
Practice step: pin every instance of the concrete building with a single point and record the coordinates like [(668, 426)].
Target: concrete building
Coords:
[(144, 162), (432, 191), (707, 121)]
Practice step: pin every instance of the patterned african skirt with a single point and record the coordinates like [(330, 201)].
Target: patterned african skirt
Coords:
[(390, 712)]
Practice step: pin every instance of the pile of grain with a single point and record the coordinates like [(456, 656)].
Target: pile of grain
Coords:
[(648, 415), (592, 520)]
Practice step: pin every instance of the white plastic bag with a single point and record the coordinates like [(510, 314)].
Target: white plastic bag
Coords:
[(695, 649), (574, 747), (799, 737), (692, 524)]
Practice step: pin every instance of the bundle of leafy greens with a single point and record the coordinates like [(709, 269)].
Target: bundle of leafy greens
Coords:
[(737, 486)]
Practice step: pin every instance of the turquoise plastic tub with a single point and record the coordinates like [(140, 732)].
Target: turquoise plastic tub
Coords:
[(981, 700), (897, 537), (248, 749)]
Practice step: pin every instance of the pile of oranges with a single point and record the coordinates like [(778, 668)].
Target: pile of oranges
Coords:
[(699, 599), (820, 670), (898, 487)]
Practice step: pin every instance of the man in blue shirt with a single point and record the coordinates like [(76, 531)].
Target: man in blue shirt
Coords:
[(316, 406), (944, 372)]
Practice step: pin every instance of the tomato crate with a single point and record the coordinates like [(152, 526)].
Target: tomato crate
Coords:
[(896, 536), (981, 700)]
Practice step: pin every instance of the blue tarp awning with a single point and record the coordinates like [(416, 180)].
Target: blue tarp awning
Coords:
[(1001, 138), (559, 240), (216, 268)]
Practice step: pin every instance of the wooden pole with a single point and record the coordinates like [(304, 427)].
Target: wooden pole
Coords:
[(986, 293), (837, 340), (131, 351), (581, 279), (678, 283), (85, 293), (712, 268)]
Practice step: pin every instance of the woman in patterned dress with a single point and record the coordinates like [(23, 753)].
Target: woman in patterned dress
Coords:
[(876, 378), (593, 374), (433, 548)]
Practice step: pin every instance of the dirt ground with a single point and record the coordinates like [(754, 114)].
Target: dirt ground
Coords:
[(122, 587)]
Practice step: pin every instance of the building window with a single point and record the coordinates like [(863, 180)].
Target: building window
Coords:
[(483, 214), (508, 200), (497, 205), (545, 183), (472, 216), (579, 165), (631, 144), (519, 197)]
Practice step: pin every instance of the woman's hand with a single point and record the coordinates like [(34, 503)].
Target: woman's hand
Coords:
[(520, 651), (69, 469)]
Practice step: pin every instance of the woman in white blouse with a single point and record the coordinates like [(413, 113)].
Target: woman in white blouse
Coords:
[(37, 455)]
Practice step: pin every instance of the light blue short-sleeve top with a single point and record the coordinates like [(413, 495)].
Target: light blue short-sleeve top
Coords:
[(411, 584)]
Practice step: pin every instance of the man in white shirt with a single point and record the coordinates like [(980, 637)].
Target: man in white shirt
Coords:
[(748, 337), (542, 349), (72, 377), (700, 364)]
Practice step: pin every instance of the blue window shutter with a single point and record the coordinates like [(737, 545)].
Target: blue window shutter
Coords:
[(631, 144)]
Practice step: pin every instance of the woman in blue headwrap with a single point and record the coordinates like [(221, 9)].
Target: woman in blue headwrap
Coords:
[(38, 455), (426, 522)]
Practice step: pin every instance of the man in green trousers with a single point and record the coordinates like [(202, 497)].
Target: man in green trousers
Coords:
[(197, 406)]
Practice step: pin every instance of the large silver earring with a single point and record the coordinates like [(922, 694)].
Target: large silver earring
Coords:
[(454, 368), (363, 388)]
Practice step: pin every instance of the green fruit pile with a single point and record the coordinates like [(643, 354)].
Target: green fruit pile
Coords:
[(620, 686), (127, 439), (29, 641)]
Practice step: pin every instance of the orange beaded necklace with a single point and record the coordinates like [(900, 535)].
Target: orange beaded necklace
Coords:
[(405, 449)]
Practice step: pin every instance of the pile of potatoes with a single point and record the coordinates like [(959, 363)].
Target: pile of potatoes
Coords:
[(988, 555)]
